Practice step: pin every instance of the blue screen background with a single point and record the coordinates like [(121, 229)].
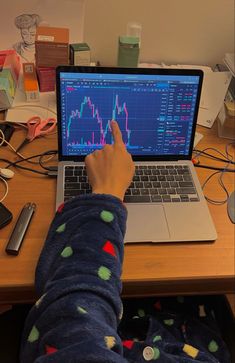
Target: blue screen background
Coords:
[(155, 112)]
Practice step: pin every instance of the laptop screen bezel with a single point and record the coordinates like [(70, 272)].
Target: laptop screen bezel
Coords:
[(117, 70)]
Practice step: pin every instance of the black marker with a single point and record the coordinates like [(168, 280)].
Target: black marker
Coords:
[(20, 229)]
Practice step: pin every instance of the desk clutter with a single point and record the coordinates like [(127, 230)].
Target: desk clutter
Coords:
[(9, 75), (52, 48)]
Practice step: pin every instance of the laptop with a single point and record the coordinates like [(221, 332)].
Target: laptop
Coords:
[(156, 110)]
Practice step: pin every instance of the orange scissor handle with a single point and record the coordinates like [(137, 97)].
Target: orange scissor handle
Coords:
[(38, 127)]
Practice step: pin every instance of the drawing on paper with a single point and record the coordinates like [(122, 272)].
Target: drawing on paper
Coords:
[(27, 25), (20, 19)]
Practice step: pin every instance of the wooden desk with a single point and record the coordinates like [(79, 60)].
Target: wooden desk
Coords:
[(149, 269)]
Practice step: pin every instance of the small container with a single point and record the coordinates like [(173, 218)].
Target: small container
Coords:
[(80, 54), (128, 51), (134, 30)]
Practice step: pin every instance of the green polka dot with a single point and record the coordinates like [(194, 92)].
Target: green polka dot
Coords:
[(34, 335), (106, 216), (81, 310), (169, 322), (180, 299), (157, 338), (67, 252), (61, 228), (156, 353), (213, 346), (104, 273), (141, 313)]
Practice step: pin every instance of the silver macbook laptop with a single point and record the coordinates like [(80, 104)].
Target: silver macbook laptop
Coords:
[(156, 110)]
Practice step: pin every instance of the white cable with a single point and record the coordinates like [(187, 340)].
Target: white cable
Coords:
[(6, 186), (39, 106), (2, 179), (21, 124), (2, 138)]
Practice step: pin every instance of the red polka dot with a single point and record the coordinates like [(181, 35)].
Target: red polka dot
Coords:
[(109, 248), (157, 305), (128, 343), (61, 207), (50, 349)]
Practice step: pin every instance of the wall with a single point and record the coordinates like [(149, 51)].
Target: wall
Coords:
[(173, 31)]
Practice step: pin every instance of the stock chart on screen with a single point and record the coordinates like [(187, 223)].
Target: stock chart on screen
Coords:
[(155, 113)]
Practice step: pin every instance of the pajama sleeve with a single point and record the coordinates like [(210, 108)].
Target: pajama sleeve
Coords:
[(78, 281)]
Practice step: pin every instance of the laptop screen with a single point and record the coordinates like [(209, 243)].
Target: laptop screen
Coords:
[(156, 110)]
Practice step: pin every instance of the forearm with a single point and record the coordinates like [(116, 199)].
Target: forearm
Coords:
[(78, 277)]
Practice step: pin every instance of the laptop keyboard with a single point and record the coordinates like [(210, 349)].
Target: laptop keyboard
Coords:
[(151, 183)]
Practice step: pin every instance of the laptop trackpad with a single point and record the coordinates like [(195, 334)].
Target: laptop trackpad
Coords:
[(146, 223)]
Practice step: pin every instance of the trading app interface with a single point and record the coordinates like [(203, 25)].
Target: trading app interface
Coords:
[(155, 112)]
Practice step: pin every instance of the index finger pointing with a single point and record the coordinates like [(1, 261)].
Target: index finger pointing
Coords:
[(117, 135)]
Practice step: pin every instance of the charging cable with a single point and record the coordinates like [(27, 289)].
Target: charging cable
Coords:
[(6, 189)]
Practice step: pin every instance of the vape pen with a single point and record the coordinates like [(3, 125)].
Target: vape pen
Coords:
[(20, 229)]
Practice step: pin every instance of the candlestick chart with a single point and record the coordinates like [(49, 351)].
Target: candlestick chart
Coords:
[(153, 119), (90, 112), (101, 136)]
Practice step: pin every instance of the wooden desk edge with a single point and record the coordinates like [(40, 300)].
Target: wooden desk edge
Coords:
[(194, 286), (165, 287)]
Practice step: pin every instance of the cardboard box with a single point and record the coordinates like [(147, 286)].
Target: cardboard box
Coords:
[(30, 82), (51, 46), (46, 78), (80, 54), (9, 75)]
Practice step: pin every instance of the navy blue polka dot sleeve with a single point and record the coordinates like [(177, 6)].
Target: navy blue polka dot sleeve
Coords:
[(78, 281)]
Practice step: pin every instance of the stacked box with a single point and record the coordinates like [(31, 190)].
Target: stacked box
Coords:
[(9, 75), (46, 78), (51, 46), (30, 82), (80, 54)]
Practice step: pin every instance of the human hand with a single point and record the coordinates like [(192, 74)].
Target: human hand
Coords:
[(110, 170)]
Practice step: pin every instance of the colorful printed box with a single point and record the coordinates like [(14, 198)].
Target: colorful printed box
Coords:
[(30, 82), (9, 75)]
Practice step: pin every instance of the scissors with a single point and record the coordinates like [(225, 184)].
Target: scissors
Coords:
[(36, 128)]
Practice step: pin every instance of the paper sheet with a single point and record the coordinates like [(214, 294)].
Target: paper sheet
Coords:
[(215, 86), (22, 111), (205, 69), (214, 89), (198, 137), (229, 60)]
